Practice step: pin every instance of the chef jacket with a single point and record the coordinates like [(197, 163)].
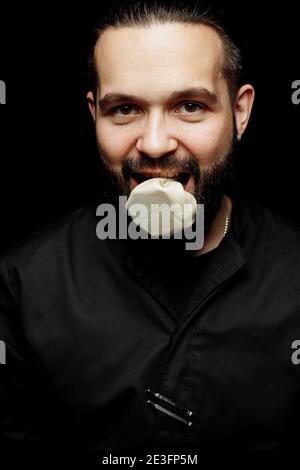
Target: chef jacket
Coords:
[(110, 348)]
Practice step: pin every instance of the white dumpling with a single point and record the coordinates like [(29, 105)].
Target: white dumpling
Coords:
[(161, 206)]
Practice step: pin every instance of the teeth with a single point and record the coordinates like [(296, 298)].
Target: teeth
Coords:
[(161, 176), (182, 177)]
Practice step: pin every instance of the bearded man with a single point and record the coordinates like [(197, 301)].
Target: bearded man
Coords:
[(123, 342)]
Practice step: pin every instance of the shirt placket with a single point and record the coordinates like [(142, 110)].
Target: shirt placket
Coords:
[(170, 396)]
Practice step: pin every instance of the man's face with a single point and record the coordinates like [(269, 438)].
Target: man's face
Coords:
[(163, 107)]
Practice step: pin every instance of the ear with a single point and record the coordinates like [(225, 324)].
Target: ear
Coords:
[(91, 104), (243, 107)]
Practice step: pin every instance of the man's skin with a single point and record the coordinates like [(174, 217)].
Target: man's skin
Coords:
[(150, 64)]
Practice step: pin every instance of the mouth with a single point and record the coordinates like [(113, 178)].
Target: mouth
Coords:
[(182, 177)]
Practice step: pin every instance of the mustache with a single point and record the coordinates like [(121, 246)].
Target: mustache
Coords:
[(166, 162)]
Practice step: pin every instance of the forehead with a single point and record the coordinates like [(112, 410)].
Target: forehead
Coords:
[(154, 59)]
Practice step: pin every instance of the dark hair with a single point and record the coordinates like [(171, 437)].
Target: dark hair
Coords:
[(144, 13)]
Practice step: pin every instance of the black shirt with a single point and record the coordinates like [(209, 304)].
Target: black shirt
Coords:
[(173, 277), (88, 331)]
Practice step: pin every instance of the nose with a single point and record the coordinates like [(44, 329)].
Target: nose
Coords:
[(155, 140)]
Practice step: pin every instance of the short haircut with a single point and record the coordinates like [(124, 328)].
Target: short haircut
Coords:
[(144, 13)]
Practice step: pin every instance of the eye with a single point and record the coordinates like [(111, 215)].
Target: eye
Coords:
[(123, 110), (191, 107)]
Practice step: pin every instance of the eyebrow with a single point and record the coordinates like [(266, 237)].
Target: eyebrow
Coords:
[(193, 92)]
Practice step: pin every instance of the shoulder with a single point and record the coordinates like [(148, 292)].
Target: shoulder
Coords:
[(265, 234), (50, 244), (253, 220)]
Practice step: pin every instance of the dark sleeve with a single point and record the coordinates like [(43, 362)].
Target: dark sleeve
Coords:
[(17, 417)]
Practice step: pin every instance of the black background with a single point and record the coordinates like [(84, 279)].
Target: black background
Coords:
[(49, 162)]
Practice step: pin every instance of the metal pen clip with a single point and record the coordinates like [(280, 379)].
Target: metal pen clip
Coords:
[(159, 397)]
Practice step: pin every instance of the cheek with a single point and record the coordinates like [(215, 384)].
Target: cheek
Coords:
[(113, 144), (209, 139)]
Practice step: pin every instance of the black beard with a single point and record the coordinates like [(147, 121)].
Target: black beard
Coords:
[(210, 185)]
